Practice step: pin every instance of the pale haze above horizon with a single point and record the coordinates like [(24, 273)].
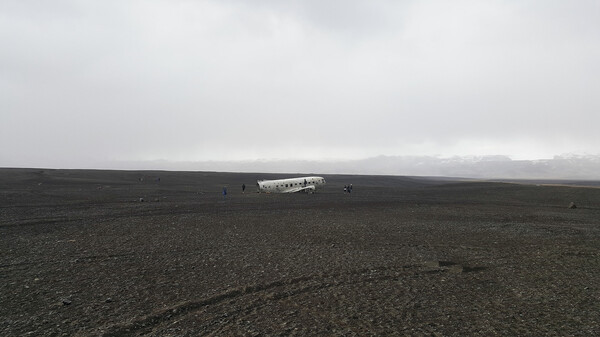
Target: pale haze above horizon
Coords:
[(86, 83)]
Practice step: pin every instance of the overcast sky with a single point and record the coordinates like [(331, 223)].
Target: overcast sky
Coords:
[(88, 82)]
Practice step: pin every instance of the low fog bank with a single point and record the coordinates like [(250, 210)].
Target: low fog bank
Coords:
[(578, 167)]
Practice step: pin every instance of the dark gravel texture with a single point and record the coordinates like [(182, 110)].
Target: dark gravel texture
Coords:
[(81, 255)]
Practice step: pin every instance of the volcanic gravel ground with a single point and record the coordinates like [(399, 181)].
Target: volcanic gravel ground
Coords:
[(80, 254)]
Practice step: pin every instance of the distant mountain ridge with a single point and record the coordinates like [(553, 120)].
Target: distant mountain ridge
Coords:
[(568, 166)]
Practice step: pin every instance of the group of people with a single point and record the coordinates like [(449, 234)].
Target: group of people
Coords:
[(225, 190), (348, 188)]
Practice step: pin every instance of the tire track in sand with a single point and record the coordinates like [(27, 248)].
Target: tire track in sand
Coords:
[(273, 291)]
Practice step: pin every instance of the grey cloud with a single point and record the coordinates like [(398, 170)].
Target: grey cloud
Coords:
[(210, 80)]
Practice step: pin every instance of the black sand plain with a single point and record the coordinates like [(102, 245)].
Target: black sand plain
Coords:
[(81, 255)]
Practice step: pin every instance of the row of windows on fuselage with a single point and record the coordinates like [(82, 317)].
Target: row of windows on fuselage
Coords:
[(322, 181)]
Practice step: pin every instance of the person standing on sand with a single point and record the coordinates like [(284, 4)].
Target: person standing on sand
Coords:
[(243, 188), (224, 193)]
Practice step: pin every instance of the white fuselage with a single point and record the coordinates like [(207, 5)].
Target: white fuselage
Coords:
[(291, 185)]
